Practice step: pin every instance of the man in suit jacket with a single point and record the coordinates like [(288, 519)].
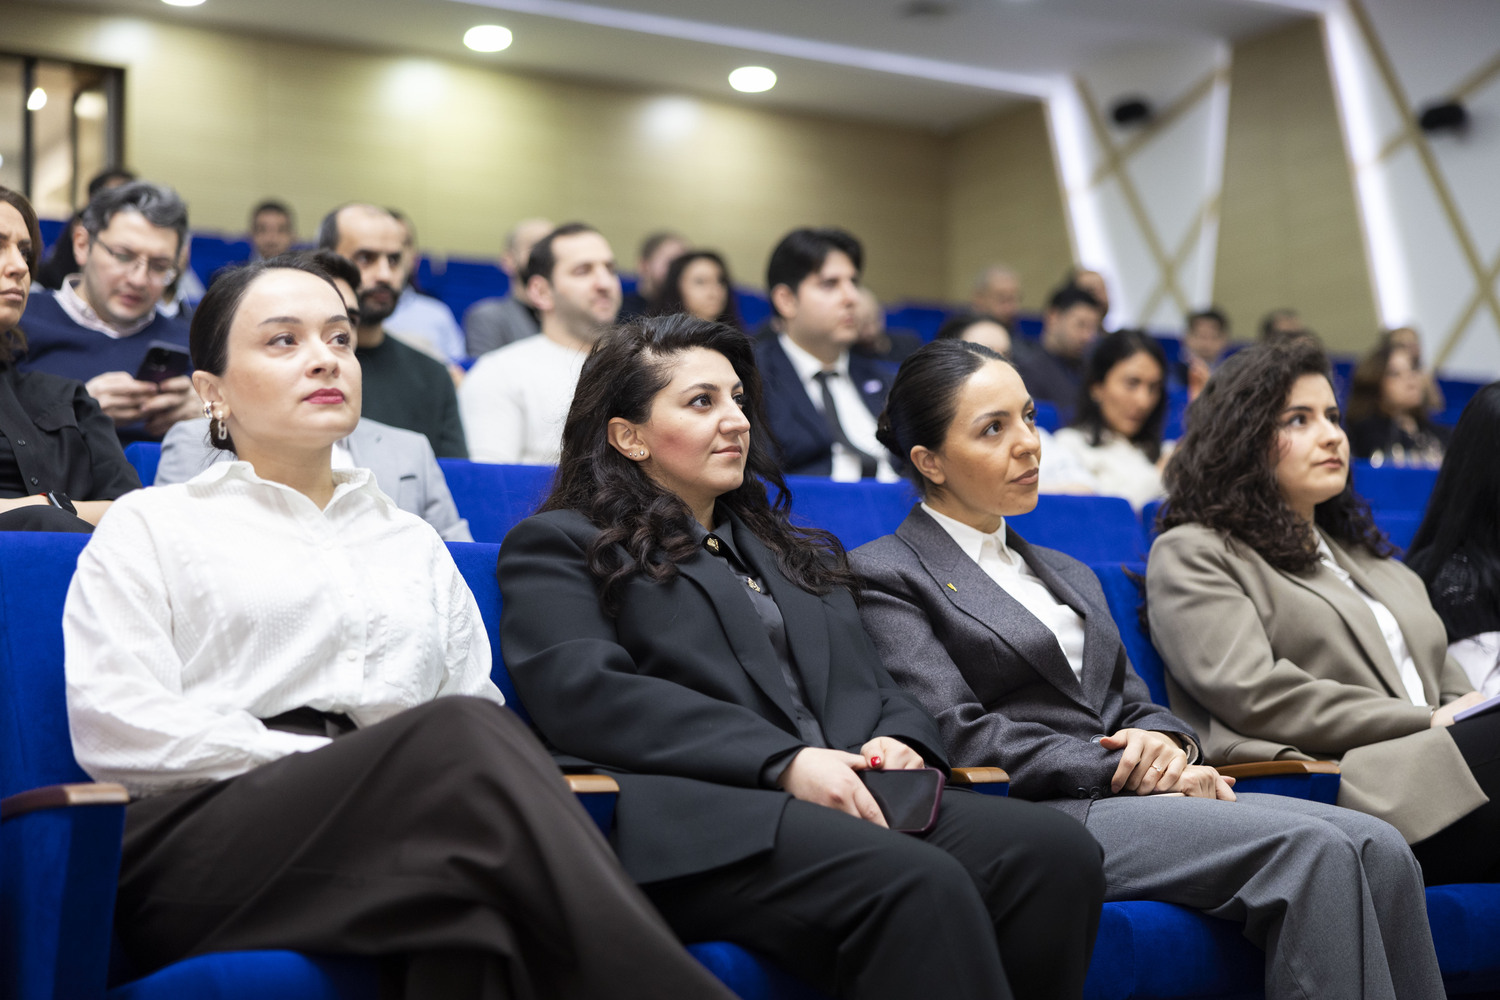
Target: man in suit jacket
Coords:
[(405, 468), (682, 695), (1004, 693), (813, 279)]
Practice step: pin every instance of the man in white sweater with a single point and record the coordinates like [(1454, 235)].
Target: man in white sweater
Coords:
[(515, 399)]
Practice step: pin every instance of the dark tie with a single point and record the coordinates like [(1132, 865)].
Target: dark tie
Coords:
[(867, 463)]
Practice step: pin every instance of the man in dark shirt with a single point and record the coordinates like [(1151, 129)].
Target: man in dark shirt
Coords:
[(402, 386), (99, 326), (1053, 370)]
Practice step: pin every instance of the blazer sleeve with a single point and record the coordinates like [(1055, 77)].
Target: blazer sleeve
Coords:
[(112, 474), (1043, 763), (1215, 644), (584, 690)]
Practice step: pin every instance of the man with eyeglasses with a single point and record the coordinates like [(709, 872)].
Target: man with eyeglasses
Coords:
[(100, 326)]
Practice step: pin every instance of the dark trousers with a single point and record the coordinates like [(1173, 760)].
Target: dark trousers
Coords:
[(1001, 899), (1469, 850), (444, 838), (35, 517)]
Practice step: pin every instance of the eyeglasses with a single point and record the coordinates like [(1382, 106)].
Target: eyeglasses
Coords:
[(162, 269)]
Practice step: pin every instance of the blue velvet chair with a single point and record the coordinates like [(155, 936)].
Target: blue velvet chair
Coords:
[(145, 456), (1090, 529), (1390, 488)]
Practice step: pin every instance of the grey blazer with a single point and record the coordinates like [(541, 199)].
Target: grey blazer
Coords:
[(993, 675), (402, 461), (1271, 665)]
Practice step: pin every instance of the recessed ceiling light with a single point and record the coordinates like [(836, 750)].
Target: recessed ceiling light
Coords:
[(182, 3), (487, 38), (752, 79), (37, 101)]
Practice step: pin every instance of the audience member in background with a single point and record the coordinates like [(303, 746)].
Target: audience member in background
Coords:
[(1279, 324), (1408, 339), (505, 319), (1116, 433), (423, 321), (873, 340), (1202, 349), (663, 620), (403, 386), (698, 284), (1093, 282), (1289, 631), (59, 262), (272, 230), (293, 681), (185, 290), (977, 328), (400, 460), (997, 294), (1053, 369), (657, 253), (1456, 551), (515, 399), (1012, 648), (1388, 422), (60, 463), (100, 326), (821, 400)]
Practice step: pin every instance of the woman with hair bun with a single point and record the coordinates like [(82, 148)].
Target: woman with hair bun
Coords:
[(1288, 630)]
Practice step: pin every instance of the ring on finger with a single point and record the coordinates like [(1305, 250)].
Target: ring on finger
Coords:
[(1156, 767)]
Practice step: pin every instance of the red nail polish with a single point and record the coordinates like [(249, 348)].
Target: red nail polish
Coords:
[(874, 761)]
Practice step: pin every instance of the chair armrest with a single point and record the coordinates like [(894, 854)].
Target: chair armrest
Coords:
[(592, 784), (59, 863), (985, 780), (597, 793), (1268, 768)]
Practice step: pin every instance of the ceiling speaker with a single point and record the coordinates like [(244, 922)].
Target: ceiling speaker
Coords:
[(1129, 111)]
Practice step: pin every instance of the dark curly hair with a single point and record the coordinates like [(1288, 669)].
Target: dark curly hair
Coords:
[(624, 372), (1223, 474)]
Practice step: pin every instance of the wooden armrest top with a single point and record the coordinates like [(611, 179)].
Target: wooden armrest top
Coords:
[(101, 793), (582, 784), (1267, 768), (979, 776)]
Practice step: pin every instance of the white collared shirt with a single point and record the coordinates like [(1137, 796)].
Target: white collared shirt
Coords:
[(1116, 466), (80, 312), (1390, 630), (854, 416), (1005, 566), (201, 608), (1479, 655)]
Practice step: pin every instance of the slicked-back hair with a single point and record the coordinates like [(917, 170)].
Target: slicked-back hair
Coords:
[(803, 251), (328, 229), (1122, 345), (645, 528), (955, 326), (272, 205), (157, 203), (12, 341), (1223, 473), (208, 337), (924, 400), (543, 258)]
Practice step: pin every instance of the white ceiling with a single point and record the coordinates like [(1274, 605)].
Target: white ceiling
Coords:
[(868, 59)]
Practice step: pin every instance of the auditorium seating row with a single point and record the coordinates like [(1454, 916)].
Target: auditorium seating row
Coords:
[(59, 849)]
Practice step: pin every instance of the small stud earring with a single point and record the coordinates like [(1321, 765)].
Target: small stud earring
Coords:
[(642, 453), (208, 410)]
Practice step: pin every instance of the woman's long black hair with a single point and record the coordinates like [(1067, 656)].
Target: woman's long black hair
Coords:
[(621, 378), (1223, 473), (1122, 345)]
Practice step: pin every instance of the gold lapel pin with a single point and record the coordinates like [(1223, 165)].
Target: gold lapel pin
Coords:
[(712, 543), (753, 585), (952, 588)]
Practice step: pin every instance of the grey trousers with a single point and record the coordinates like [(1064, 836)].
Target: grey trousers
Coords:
[(1334, 896)]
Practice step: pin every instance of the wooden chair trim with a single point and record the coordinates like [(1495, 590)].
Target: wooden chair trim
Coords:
[(101, 793), (1269, 768), (587, 784), (963, 776)]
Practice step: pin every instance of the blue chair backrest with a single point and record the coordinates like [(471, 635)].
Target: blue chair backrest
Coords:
[(146, 457), (1046, 416), (1456, 395), (856, 512), (1400, 525), (476, 561), (495, 497), (1090, 529), (1124, 599), (1391, 488)]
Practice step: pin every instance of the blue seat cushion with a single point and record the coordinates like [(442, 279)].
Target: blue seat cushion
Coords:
[(1465, 923), (255, 975), (1148, 949)]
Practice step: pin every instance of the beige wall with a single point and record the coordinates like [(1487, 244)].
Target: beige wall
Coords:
[(231, 118), (1004, 204), (1289, 232)]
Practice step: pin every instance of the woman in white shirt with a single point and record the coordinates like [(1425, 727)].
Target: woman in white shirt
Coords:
[(1116, 433), (292, 679), (1012, 648)]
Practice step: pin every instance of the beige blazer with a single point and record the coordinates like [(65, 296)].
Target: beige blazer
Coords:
[(1270, 665)]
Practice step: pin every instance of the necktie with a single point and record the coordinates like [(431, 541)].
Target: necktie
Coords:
[(867, 463)]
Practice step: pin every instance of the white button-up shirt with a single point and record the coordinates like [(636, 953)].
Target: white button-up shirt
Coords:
[(201, 608), (1005, 566), (854, 416), (1390, 630)]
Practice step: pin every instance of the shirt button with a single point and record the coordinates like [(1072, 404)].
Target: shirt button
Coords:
[(20, 440), (34, 480), (351, 655)]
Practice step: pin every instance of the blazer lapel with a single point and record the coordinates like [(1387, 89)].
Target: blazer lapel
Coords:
[(741, 624), (1100, 638), (971, 591), (1351, 607), (785, 373), (803, 615), (1369, 629)]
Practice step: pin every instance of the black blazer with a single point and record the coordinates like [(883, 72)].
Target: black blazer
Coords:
[(61, 439), (803, 445), (681, 695), (993, 675)]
